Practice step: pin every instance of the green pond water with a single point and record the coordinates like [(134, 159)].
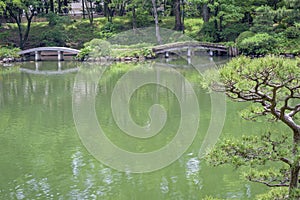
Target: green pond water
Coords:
[(42, 155)]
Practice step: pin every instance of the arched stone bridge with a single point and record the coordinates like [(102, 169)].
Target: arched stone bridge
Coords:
[(189, 46), (60, 52)]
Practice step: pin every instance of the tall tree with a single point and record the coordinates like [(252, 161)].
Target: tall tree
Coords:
[(263, 20), (132, 6), (205, 12), (83, 8), (109, 9), (203, 6), (273, 86), (157, 32), (52, 6), (90, 9), (65, 6), (220, 15), (16, 9), (177, 13), (59, 6)]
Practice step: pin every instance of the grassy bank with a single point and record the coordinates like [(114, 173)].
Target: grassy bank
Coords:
[(75, 32)]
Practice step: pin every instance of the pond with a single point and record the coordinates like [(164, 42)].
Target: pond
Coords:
[(43, 155)]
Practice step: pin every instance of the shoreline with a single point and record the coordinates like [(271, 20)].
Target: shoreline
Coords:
[(11, 60)]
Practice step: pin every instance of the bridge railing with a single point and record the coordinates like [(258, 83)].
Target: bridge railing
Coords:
[(60, 52), (166, 48)]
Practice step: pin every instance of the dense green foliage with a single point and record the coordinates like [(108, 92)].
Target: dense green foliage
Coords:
[(212, 21), (259, 44), (9, 52), (96, 48), (272, 84)]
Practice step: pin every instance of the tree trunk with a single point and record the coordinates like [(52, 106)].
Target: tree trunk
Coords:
[(29, 20), (59, 6), (122, 10), (134, 26), (18, 19), (248, 18), (91, 13), (65, 7), (177, 12), (217, 37), (295, 168), (205, 13), (89, 9), (294, 177), (156, 22), (66, 3), (108, 12), (83, 9), (220, 23), (21, 43), (52, 6)]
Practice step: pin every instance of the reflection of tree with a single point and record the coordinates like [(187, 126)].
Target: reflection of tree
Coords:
[(35, 117), (41, 155)]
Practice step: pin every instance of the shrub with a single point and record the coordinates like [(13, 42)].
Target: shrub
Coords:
[(143, 19), (9, 52), (277, 193), (192, 27), (259, 44), (55, 19), (108, 30), (286, 45), (232, 31), (84, 53), (292, 32), (53, 37), (209, 33), (96, 48), (244, 35)]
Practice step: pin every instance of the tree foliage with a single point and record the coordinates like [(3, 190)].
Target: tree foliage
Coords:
[(224, 20), (258, 44), (16, 9), (272, 84)]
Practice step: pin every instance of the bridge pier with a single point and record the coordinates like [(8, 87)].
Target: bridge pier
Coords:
[(37, 56), (37, 66), (167, 54), (233, 51), (60, 55), (189, 52), (59, 66), (211, 53), (189, 59)]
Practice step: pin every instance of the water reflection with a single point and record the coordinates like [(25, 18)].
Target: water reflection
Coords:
[(59, 70), (42, 157), (192, 172)]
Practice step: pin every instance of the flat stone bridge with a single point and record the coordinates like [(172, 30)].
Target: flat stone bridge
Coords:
[(189, 46), (60, 52)]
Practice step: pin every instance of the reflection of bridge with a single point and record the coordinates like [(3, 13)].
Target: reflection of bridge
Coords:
[(60, 52), (59, 70), (189, 64), (189, 46)]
